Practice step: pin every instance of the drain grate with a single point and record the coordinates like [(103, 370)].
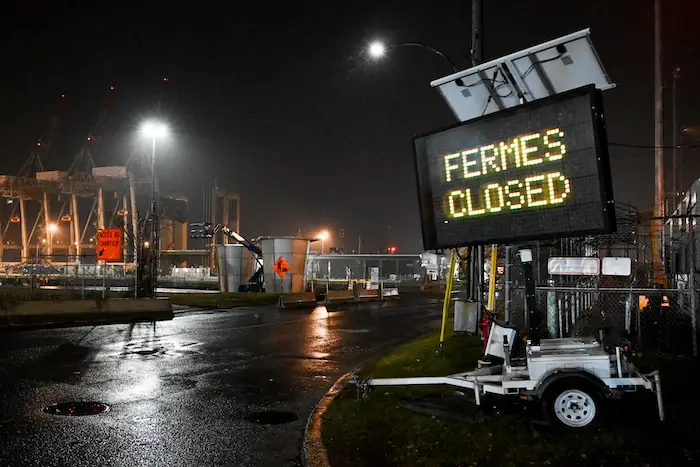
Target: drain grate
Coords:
[(271, 417), (76, 409)]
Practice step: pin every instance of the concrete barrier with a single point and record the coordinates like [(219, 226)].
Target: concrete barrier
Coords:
[(390, 293), (113, 310), (298, 299), (369, 294), (340, 295)]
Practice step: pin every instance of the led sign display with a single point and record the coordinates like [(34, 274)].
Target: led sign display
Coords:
[(534, 171)]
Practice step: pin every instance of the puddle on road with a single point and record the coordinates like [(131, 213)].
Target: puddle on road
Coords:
[(271, 417), (76, 408)]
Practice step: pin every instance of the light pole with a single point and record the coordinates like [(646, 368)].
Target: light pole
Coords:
[(323, 236), (154, 130), (674, 125), (50, 230)]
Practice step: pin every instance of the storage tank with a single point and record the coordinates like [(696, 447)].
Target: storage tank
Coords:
[(289, 252), (248, 266), (229, 260)]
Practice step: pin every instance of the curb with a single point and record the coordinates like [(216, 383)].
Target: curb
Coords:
[(313, 452)]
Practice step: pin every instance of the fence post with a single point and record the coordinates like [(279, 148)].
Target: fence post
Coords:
[(693, 293)]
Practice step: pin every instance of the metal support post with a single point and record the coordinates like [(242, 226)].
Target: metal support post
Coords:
[(492, 279), (226, 216), (674, 126), (47, 222), (448, 296), (533, 313), (508, 283), (100, 209), (659, 210), (125, 221), (75, 225), (693, 289), (477, 20), (155, 226), (23, 227), (134, 216)]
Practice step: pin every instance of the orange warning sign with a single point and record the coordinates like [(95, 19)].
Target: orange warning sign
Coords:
[(109, 245), (281, 267)]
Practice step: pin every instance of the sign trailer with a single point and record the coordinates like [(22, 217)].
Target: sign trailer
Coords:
[(521, 172)]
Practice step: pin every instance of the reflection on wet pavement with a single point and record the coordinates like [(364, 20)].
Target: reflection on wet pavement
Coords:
[(187, 392)]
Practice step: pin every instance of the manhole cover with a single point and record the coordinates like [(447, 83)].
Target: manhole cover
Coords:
[(271, 417), (75, 409)]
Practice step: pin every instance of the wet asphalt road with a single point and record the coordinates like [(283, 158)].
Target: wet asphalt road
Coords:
[(180, 393)]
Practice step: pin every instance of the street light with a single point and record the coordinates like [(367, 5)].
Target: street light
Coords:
[(378, 50), (323, 236), (154, 130)]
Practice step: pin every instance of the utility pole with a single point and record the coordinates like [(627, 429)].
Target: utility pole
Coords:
[(674, 126), (476, 259), (660, 195), (477, 24)]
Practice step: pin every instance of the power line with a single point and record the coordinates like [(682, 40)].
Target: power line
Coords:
[(644, 146)]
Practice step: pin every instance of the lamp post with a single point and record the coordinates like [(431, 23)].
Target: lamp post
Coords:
[(154, 130)]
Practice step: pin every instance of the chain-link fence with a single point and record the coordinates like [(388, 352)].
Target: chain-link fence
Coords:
[(656, 321), (42, 278), (653, 305)]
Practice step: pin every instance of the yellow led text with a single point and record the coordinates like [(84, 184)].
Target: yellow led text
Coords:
[(521, 151), (531, 192)]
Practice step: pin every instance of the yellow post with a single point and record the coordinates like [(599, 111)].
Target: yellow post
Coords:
[(448, 297), (492, 279)]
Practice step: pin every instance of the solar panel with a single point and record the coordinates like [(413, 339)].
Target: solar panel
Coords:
[(557, 66)]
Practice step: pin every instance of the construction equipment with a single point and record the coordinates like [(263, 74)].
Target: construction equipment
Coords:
[(208, 230)]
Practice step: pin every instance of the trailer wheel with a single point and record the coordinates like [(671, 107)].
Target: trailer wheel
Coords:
[(574, 404)]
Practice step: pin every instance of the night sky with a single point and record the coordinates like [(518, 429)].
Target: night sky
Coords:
[(278, 102)]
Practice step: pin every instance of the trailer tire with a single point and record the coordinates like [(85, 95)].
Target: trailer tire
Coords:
[(573, 404)]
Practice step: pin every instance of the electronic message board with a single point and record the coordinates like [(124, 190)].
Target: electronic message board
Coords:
[(539, 170)]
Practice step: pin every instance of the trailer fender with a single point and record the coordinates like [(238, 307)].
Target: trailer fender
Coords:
[(570, 374)]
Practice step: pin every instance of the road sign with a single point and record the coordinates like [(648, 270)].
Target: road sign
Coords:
[(281, 267), (109, 245), (573, 266), (617, 266), (539, 170)]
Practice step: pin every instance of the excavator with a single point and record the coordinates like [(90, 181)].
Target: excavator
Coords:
[(208, 230)]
